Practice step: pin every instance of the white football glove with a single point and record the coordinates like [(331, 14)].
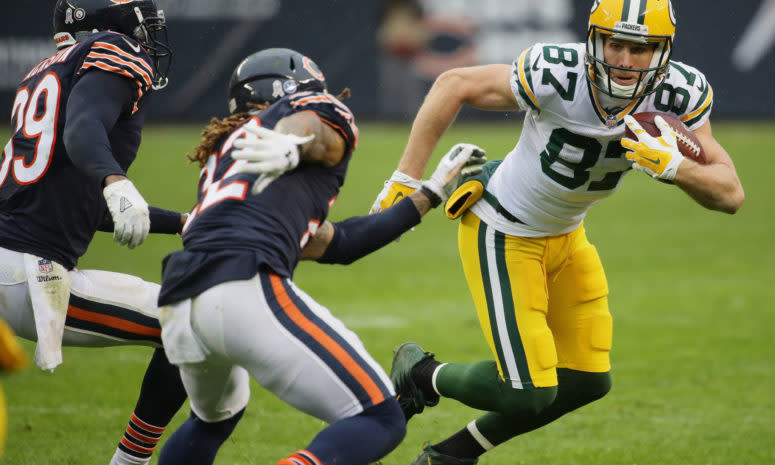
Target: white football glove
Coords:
[(269, 155), (462, 159), (131, 221), (658, 157), (399, 185)]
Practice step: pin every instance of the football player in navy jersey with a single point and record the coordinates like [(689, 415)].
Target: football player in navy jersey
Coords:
[(230, 309), (76, 126)]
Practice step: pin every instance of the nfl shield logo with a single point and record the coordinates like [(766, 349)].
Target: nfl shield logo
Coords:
[(45, 266)]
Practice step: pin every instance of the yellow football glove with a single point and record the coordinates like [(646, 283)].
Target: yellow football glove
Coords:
[(658, 157), (12, 356), (399, 185)]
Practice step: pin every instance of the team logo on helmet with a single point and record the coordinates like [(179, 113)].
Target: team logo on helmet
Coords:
[(313, 69), (79, 14)]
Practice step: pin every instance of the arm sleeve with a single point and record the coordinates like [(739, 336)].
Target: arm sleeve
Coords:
[(359, 236), (162, 221), (95, 104)]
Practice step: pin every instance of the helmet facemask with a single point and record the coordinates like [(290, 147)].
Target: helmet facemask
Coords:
[(599, 70), (151, 32)]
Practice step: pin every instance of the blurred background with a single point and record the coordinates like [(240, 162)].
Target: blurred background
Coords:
[(389, 51)]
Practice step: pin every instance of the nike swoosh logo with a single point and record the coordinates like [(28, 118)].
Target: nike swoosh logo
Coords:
[(397, 198), (136, 48), (656, 162), (701, 86), (535, 64)]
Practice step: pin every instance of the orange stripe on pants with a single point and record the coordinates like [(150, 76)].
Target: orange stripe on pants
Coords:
[(325, 340), (112, 321)]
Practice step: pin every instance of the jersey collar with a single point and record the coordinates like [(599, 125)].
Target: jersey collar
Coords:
[(614, 119)]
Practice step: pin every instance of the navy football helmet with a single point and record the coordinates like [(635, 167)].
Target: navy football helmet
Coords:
[(268, 75), (139, 19)]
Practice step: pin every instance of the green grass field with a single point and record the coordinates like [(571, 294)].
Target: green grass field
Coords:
[(690, 295)]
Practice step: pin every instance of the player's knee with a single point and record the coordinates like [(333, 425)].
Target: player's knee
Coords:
[(219, 430), (581, 387), (516, 402), (595, 386), (388, 422), (391, 418)]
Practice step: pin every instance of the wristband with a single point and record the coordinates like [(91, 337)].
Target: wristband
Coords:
[(432, 196)]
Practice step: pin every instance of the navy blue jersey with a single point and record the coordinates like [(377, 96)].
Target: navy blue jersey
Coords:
[(48, 206), (231, 234)]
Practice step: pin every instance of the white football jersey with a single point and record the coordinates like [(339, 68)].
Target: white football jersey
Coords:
[(569, 157)]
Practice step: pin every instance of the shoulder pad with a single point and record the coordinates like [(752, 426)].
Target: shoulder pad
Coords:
[(120, 54), (331, 110), (544, 70)]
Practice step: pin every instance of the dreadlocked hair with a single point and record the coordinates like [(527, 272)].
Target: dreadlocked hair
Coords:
[(214, 132), (344, 94), (217, 128)]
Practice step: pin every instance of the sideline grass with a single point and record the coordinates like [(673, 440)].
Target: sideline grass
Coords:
[(690, 296)]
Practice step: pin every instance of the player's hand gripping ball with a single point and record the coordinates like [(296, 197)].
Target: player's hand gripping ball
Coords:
[(658, 143)]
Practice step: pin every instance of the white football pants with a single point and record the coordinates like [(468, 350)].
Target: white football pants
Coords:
[(103, 308), (269, 329)]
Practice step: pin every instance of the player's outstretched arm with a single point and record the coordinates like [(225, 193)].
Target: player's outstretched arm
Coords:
[(348, 240), (483, 87), (163, 221)]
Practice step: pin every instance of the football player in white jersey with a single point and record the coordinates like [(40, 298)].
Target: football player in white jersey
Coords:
[(538, 284)]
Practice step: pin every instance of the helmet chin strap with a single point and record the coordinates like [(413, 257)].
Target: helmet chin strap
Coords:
[(620, 89)]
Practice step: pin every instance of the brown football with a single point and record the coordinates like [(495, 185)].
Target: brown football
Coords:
[(688, 143)]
